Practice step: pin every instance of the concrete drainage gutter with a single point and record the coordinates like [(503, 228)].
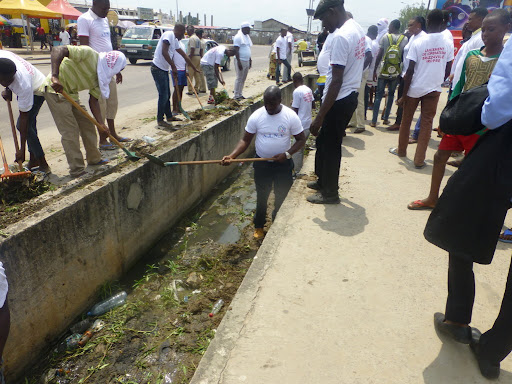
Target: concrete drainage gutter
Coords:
[(57, 258)]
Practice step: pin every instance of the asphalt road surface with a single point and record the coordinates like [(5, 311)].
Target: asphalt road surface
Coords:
[(136, 95)]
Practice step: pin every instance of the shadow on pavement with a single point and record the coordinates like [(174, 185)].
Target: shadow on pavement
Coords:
[(456, 364), (345, 219), (354, 142)]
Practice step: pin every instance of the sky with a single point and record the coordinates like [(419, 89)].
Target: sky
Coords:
[(231, 13)]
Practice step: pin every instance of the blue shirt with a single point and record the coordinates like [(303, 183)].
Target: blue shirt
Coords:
[(497, 111)]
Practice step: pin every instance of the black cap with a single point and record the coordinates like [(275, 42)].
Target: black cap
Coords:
[(324, 5)]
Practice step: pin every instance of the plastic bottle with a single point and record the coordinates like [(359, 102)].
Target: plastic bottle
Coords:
[(72, 341), (217, 307), (107, 305), (148, 139), (81, 326)]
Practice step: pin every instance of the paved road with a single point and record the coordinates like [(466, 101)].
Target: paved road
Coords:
[(137, 94)]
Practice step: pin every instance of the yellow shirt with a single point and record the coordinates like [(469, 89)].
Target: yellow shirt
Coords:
[(302, 46)]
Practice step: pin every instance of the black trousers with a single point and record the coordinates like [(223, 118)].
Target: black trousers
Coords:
[(267, 175), (496, 344), (400, 111), (328, 144)]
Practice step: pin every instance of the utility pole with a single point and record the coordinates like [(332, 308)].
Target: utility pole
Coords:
[(177, 11), (212, 21), (205, 19)]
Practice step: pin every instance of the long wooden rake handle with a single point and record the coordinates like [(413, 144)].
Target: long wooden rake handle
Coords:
[(218, 161), (92, 119), (194, 88), (14, 134)]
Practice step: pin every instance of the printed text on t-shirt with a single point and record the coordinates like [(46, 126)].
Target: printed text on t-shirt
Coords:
[(434, 55)]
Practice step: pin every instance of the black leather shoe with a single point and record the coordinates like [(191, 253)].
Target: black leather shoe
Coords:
[(318, 198), (314, 185), (458, 333), (487, 369)]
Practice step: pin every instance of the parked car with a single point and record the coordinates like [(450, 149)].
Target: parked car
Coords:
[(226, 61), (139, 42)]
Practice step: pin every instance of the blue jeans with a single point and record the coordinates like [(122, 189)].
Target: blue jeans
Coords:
[(416, 133), (164, 92), (381, 87), (278, 70), (34, 145)]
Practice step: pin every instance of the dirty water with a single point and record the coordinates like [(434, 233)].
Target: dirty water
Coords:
[(161, 333)]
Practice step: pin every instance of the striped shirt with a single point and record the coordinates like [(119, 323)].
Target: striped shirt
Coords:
[(78, 72)]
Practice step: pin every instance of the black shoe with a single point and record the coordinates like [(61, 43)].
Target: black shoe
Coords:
[(487, 369), (318, 198), (314, 185), (458, 333)]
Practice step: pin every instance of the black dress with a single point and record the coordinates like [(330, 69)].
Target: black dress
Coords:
[(469, 215)]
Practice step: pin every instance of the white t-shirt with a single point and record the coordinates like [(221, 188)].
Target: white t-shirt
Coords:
[(289, 37), (303, 101), (273, 132), (97, 28), (406, 50), (27, 81), (348, 48), (431, 53), (244, 43), (375, 53), (475, 42), (446, 33), (323, 62), (214, 56), (174, 44), (64, 38), (179, 61), (282, 44), (4, 286)]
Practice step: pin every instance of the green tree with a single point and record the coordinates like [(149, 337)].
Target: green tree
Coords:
[(410, 12)]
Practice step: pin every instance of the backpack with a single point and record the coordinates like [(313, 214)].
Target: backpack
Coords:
[(392, 63)]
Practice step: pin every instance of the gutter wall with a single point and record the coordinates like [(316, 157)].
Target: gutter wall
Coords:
[(56, 259)]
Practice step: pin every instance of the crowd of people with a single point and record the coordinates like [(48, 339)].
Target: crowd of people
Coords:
[(357, 71)]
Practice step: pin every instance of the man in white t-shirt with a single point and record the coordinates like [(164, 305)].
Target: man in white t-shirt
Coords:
[(358, 120), (64, 37), (430, 60), (289, 56), (5, 318), (162, 63), (273, 125), (474, 24), (302, 104), (243, 62), (22, 78), (340, 97), (282, 47), (94, 31), (210, 65)]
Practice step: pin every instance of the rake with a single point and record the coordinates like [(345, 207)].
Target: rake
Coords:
[(7, 173), (131, 155), (161, 163)]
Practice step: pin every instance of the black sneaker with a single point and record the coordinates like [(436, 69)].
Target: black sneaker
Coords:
[(487, 369), (314, 185), (458, 333), (318, 198)]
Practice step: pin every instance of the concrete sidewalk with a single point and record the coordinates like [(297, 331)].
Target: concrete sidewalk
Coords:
[(347, 293)]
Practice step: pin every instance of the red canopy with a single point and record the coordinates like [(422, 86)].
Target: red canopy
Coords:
[(63, 7)]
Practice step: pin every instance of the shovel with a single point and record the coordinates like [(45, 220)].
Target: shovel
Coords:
[(161, 163), (131, 155)]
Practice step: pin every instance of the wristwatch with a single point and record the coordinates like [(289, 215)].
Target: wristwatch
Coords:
[(288, 156)]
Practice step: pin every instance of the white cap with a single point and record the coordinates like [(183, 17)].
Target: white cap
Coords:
[(246, 24)]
